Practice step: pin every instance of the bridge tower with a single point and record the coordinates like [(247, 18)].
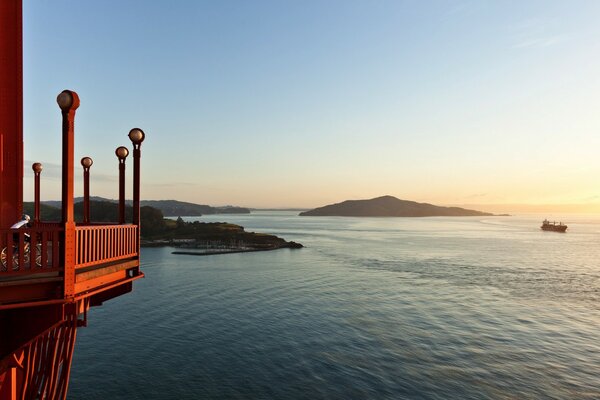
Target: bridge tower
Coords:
[(51, 272)]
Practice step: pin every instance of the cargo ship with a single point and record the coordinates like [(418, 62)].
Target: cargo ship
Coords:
[(553, 226)]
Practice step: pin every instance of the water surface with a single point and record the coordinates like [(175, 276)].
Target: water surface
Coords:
[(381, 308)]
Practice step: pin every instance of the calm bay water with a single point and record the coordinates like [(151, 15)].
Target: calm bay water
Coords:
[(381, 308)]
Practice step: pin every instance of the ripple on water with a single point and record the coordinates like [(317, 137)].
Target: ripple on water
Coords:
[(372, 308)]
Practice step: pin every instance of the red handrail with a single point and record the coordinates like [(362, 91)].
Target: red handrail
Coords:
[(101, 244), (30, 250), (38, 249)]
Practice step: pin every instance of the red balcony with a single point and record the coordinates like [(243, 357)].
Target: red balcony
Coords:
[(32, 267), (65, 262)]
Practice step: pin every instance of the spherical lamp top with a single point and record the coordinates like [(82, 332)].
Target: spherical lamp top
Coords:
[(87, 162), (122, 152), (64, 100), (37, 167), (68, 100), (136, 135)]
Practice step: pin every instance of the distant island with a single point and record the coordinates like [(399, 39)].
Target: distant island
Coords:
[(389, 206), (157, 231), (170, 208)]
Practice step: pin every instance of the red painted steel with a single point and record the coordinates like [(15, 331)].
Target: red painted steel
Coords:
[(86, 163), (86, 195), (121, 190), (95, 245), (98, 245), (54, 271), (11, 112), (32, 250), (137, 136), (40, 369), (37, 170), (68, 102)]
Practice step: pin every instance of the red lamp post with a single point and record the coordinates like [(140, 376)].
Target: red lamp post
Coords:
[(68, 101), (122, 154), (86, 163), (136, 135), (37, 170)]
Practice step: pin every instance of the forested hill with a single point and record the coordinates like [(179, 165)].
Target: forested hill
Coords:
[(177, 208), (172, 208), (100, 211), (157, 230), (389, 206)]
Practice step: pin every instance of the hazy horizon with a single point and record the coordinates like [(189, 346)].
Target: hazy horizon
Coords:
[(270, 105), (492, 208)]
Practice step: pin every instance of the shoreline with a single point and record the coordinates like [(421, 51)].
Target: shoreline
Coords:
[(212, 253)]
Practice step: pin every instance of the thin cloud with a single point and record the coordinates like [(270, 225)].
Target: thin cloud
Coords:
[(590, 199), (536, 32), (171, 184), (541, 42), (53, 171), (476, 196)]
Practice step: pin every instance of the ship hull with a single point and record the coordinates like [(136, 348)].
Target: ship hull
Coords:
[(554, 228)]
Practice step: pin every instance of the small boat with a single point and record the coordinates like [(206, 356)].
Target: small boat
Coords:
[(553, 226)]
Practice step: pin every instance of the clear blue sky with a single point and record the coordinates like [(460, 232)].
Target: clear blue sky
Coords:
[(302, 103)]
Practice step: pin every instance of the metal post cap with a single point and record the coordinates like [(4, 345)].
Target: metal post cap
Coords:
[(67, 100), (136, 135), (122, 152), (37, 167), (87, 162)]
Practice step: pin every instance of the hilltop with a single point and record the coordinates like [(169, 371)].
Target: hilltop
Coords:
[(171, 208), (389, 206)]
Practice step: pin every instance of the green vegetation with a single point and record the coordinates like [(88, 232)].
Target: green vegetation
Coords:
[(170, 207), (47, 213), (100, 211), (191, 234), (174, 207), (160, 231)]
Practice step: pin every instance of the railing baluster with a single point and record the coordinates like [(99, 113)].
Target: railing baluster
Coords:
[(100, 244), (33, 249), (105, 244), (44, 249), (91, 258), (83, 244), (113, 240), (95, 248), (77, 247), (55, 249), (20, 263), (9, 251), (88, 237), (120, 244)]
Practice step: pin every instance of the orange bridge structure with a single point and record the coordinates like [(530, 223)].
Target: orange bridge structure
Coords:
[(51, 273)]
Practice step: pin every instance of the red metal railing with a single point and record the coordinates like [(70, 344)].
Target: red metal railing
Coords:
[(38, 249), (98, 244), (30, 250)]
